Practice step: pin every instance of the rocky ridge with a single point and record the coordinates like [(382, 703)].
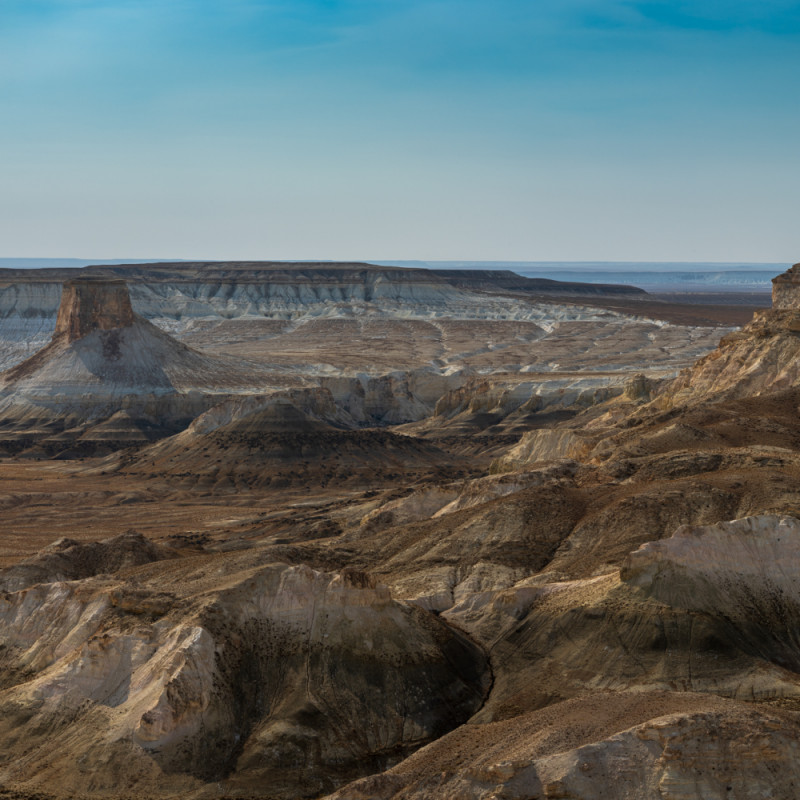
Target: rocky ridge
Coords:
[(784, 289)]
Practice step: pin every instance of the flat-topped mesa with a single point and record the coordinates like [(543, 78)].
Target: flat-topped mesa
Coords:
[(93, 304), (786, 289)]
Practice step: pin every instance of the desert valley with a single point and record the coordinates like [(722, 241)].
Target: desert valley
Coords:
[(339, 530)]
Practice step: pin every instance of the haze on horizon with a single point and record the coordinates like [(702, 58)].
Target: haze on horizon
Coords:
[(626, 130)]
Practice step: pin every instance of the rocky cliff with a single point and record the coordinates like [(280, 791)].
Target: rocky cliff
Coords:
[(786, 289), (506, 280), (93, 305), (236, 289), (100, 346)]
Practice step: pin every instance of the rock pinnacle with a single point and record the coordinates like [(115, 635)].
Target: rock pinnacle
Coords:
[(91, 304)]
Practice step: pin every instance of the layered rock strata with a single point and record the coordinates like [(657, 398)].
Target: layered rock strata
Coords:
[(250, 301), (299, 438)]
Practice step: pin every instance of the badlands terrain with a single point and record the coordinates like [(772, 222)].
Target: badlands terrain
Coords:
[(335, 530)]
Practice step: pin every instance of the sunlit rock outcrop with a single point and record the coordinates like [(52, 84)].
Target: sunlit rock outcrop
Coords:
[(745, 572)]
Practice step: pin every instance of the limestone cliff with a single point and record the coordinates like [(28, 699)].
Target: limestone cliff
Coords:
[(188, 290), (177, 296)]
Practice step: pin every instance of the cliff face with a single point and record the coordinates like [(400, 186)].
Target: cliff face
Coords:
[(283, 291), (237, 289), (319, 273), (88, 305), (101, 346), (786, 289), (761, 357), (176, 297)]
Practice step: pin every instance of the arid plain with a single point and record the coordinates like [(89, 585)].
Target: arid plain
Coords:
[(294, 531)]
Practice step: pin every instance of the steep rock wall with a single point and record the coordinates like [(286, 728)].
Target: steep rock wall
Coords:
[(88, 305), (786, 289)]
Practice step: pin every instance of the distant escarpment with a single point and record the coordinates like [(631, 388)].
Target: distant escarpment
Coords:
[(174, 294), (374, 280), (488, 280)]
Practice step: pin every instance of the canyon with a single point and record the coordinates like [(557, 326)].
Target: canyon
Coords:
[(346, 531)]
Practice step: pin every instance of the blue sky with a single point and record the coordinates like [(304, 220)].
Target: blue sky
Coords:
[(451, 129)]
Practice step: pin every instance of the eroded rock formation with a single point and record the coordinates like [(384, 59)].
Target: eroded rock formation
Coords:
[(642, 746), (93, 305)]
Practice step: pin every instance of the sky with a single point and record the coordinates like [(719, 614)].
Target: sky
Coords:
[(526, 130)]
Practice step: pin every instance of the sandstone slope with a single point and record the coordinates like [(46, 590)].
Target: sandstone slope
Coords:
[(709, 610), (299, 438)]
